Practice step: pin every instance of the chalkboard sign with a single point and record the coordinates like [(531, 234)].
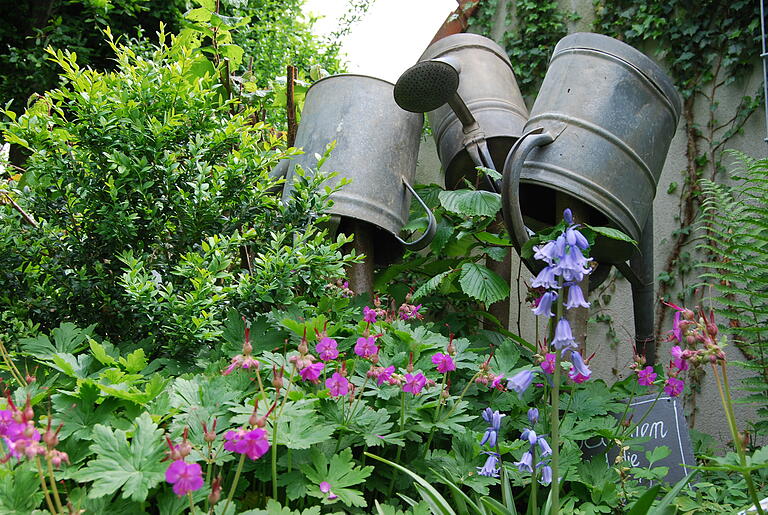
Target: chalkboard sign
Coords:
[(663, 425)]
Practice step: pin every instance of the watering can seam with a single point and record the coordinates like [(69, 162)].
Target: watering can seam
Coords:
[(578, 179), (658, 90), (600, 131)]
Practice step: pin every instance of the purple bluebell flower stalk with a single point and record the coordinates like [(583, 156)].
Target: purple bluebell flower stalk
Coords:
[(545, 304), (493, 418), (530, 435), (533, 416), (545, 279), (526, 462), (546, 475), (563, 336), (575, 298), (520, 382), (491, 467), (546, 450)]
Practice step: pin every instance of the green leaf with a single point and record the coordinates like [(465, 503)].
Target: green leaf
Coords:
[(136, 361), (643, 504), (99, 352), (481, 283), (133, 467), (493, 239), (341, 473), (427, 491), (19, 490), (67, 338), (234, 53), (614, 234), (471, 203), (431, 285), (301, 432), (198, 14)]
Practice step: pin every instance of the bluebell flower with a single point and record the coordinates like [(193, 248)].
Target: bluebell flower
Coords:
[(579, 368), (545, 279), (492, 432), (546, 450), (574, 238), (573, 266), (546, 475), (520, 382), (533, 416), (530, 435), (575, 298), (568, 216), (545, 304), (491, 467), (563, 336), (526, 462)]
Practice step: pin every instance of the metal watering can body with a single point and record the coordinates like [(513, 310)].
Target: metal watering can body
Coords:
[(490, 91), (599, 133), (377, 145)]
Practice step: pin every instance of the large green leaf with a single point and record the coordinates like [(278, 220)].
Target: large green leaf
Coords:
[(133, 467), (471, 203), (483, 284), (19, 490), (340, 473)]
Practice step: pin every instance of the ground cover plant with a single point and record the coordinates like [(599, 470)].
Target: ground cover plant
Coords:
[(178, 338)]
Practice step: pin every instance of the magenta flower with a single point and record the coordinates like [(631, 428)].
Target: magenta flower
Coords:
[(337, 384), (677, 353), (327, 349), (414, 383), (384, 375), (325, 487), (674, 386), (497, 381), (444, 362), (366, 347), (312, 372), (369, 315), (185, 477), (253, 443), (548, 365), (646, 376)]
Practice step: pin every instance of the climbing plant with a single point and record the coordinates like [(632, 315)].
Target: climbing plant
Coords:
[(536, 29)]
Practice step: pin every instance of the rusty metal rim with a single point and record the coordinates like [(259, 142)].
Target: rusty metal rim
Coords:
[(599, 43), (589, 198), (601, 132)]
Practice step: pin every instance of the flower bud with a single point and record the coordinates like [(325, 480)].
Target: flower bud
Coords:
[(29, 413), (30, 379), (215, 494)]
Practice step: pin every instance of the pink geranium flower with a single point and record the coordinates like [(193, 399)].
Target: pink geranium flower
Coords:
[(327, 349), (678, 362), (312, 372), (444, 362), (185, 477), (646, 376), (369, 315), (253, 443), (414, 383), (384, 375), (548, 365), (366, 347), (337, 384), (674, 386)]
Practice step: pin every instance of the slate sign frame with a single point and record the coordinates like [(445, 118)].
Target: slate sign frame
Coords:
[(664, 425)]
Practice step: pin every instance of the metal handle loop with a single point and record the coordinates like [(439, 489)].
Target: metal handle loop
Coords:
[(425, 238)]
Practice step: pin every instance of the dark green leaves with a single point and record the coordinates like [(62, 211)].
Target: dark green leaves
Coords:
[(471, 202), (340, 473)]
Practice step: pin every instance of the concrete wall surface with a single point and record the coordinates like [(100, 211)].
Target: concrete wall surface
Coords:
[(612, 359)]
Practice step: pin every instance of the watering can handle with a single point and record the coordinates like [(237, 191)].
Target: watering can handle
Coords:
[(510, 189), (425, 238)]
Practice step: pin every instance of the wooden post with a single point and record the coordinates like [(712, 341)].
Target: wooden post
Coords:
[(360, 275), (290, 105)]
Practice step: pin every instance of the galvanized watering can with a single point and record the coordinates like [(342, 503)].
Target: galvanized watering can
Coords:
[(466, 84), (598, 133), (377, 144)]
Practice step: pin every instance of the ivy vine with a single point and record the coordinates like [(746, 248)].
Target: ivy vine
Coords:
[(537, 28)]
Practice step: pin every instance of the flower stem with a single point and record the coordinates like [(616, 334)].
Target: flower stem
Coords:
[(274, 456), (41, 475), (399, 449), (54, 490), (725, 397), (435, 417), (234, 482), (191, 504), (534, 483), (555, 429)]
